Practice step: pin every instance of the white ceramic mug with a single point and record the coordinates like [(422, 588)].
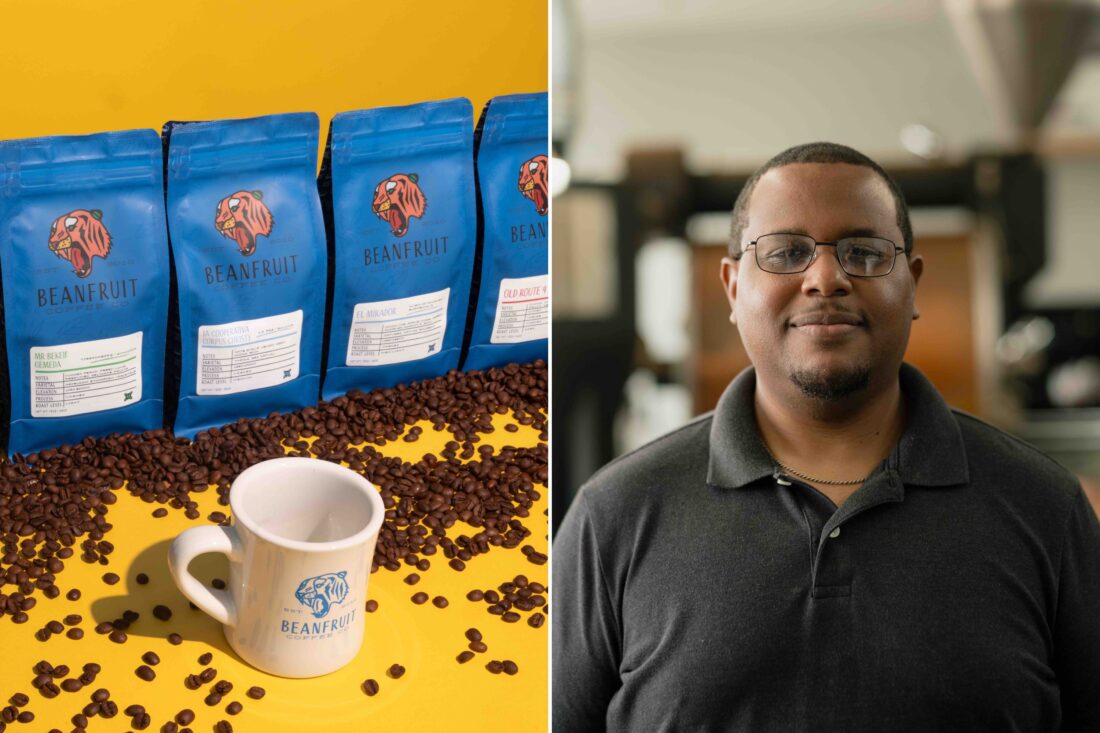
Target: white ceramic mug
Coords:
[(300, 552)]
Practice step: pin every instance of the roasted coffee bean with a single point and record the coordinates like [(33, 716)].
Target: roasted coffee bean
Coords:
[(170, 727), (101, 694), (117, 636), (110, 578), (9, 714), (205, 658), (495, 667), (473, 634), (223, 688), (72, 685), (130, 616), (496, 609), (142, 721), (457, 564), (79, 720), (133, 710), (234, 707), (395, 671), (370, 687), (420, 598), (108, 709), (73, 619), (146, 673), (412, 579), (491, 596), (510, 617), (464, 657), (161, 512), (91, 709), (142, 579), (104, 627), (19, 618), (92, 668), (371, 606), (256, 693), (185, 716), (423, 564), (537, 558), (43, 634), (175, 639), (25, 717), (150, 658), (192, 682), (440, 602), (208, 674), (478, 646), (55, 627), (223, 726), (537, 587), (536, 620), (19, 699), (73, 595), (49, 690), (212, 699), (162, 613)]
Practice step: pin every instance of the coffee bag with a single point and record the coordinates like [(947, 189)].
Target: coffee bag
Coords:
[(248, 249), (510, 320), (84, 261), (400, 195)]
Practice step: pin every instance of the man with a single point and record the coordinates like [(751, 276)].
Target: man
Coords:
[(833, 548)]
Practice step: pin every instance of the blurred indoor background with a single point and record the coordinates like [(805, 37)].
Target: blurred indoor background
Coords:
[(986, 112)]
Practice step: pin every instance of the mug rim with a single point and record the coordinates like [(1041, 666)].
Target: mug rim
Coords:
[(253, 476)]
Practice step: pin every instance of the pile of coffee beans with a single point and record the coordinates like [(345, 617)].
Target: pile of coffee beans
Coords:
[(519, 594), (51, 499)]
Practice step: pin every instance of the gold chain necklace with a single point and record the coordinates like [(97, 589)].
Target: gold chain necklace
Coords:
[(804, 477)]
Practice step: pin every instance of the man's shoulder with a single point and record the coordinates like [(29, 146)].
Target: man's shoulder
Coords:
[(991, 449), (668, 460)]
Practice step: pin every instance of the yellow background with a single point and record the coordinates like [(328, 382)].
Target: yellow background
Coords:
[(70, 67), (82, 67)]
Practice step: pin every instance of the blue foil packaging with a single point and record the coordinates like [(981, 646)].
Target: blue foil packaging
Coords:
[(248, 249), (399, 190), (84, 262), (511, 319)]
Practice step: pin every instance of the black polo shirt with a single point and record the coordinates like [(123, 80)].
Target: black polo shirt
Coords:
[(697, 588)]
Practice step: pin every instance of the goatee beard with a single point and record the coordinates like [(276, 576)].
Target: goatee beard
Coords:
[(831, 386)]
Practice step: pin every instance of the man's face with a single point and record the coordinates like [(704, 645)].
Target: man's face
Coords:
[(822, 330)]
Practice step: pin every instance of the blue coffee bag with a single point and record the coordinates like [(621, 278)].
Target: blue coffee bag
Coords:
[(511, 319), (248, 249), (84, 262), (400, 184)]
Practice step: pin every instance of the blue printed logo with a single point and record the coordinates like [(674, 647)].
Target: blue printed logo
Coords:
[(320, 592)]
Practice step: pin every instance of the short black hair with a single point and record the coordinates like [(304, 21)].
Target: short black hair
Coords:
[(820, 152)]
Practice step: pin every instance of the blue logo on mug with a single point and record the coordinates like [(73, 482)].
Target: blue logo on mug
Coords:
[(318, 593)]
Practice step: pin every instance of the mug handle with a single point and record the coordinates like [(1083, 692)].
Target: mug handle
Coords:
[(199, 541)]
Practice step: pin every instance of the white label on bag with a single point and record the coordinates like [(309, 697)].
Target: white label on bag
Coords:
[(87, 376), (246, 355), (523, 310), (393, 331)]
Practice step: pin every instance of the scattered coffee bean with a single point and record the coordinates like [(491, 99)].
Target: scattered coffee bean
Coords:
[(223, 726), (412, 579), (150, 658), (371, 606), (73, 619), (79, 720), (510, 617), (110, 578), (130, 616), (192, 682), (464, 657), (19, 618), (423, 564), (108, 709), (212, 699), (162, 613), (104, 627), (72, 685), (509, 666), (234, 707), (457, 564), (370, 687), (25, 717), (495, 667), (185, 716), (440, 602), (101, 694), (161, 512), (420, 598), (118, 637), (536, 620), (473, 634), (142, 579), (55, 627), (146, 673), (175, 639), (475, 595), (256, 693), (170, 727), (133, 710), (478, 646), (9, 714), (19, 699), (73, 595), (208, 674), (223, 688), (92, 668), (395, 671), (141, 721), (205, 658)]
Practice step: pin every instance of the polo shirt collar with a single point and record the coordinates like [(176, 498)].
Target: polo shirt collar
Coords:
[(930, 453)]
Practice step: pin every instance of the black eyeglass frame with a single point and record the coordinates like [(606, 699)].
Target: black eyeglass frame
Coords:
[(836, 253)]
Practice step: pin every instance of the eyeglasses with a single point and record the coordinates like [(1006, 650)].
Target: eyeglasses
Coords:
[(788, 254)]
